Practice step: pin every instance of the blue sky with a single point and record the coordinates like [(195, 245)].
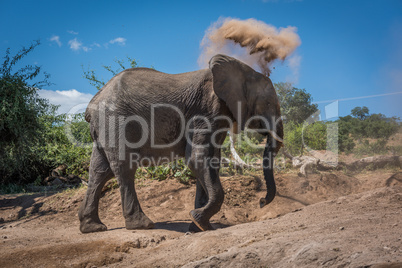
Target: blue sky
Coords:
[(350, 49)]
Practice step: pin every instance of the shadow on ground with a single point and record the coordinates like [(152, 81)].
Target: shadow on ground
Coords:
[(28, 205)]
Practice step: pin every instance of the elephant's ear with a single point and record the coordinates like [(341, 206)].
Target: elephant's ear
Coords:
[(229, 82)]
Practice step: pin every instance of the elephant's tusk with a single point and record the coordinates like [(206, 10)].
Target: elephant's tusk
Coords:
[(275, 136)]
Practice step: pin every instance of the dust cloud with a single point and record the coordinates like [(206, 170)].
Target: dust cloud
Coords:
[(251, 41)]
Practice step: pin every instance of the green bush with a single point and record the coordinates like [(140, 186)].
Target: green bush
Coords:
[(298, 137), (176, 169), (293, 138), (33, 138), (248, 145), (20, 126), (315, 135), (362, 126), (11, 188), (373, 148), (68, 141), (346, 142), (373, 126)]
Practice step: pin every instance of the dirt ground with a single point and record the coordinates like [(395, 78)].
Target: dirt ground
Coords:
[(328, 219)]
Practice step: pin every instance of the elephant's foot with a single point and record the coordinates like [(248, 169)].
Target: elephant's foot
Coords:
[(139, 221), (194, 228), (200, 222), (90, 226)]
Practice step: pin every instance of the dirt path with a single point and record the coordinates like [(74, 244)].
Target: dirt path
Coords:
[(359, 225)]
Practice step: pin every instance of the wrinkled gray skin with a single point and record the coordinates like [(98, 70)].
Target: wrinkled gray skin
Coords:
[(210, 93)]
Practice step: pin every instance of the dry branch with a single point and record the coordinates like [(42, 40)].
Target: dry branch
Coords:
[(308, 163)]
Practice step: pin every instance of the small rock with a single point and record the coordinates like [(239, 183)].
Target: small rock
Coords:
[(48, 179), (63, 179), (187, 233), (137, 244), (73, 179), (57, 181), (341, 228)]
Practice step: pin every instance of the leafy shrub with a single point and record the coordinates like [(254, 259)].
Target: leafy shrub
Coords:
[(315, 135), (176, 169), (373, 148), (20, 127), (33, 138), (293, 138), (248, 145), (68, 142), (11, 188), (373, 126)]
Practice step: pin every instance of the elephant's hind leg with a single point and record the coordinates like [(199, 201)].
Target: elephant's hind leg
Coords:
[(134, 217), (99, 174)]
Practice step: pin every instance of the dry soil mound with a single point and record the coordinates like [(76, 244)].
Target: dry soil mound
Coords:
[(359, 225)]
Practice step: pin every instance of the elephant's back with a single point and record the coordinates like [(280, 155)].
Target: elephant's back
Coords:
[(150, 81), (134, 88)]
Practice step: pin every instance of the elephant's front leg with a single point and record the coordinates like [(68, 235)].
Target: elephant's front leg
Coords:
[(134, 217), (201, 199), (205, 165)]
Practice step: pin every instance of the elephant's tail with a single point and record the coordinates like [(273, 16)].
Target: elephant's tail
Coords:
[(87, 115), (93, 103)]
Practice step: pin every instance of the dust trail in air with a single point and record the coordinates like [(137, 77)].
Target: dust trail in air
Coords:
[(263, 43)]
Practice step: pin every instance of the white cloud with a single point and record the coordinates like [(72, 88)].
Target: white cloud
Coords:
[(56, 38), (281, 1), (77, 45), (119, 40), (72, 32), (69, 100)]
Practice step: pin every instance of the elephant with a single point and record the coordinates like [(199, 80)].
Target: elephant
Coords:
[(143, 117)]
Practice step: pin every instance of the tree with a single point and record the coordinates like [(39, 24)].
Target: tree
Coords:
[(20, 110), (296, 104), (360, 112), (362, 126)]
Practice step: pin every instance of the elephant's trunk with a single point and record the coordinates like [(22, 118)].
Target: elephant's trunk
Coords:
[(271, 148)]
